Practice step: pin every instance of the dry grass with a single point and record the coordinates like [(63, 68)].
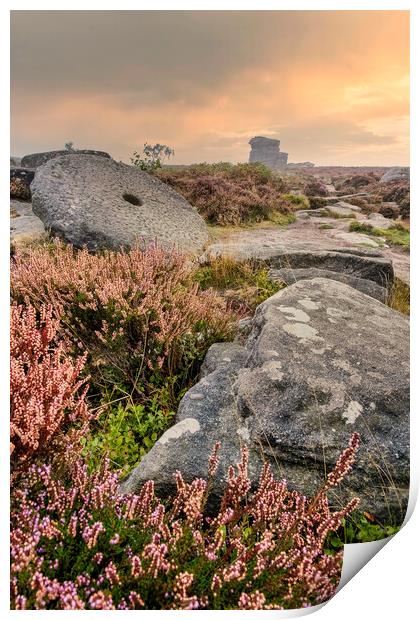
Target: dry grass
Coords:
[(244, 283), (399, 297)]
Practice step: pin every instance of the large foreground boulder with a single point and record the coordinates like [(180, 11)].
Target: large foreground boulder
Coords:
[(322, 360), (34, 160), (97, 202)]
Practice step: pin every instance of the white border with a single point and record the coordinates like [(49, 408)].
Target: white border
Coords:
[(388, 585)]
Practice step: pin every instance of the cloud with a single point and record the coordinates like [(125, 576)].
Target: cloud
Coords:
[(327, 83)]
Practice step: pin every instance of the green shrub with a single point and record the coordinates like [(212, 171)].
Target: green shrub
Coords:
[(125, 433)]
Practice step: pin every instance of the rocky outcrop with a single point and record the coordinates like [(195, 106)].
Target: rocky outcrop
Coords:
[(97, 202), (322, 360), (360, 264), (24, 224), (290, 276), (396, 174), (34, 160), (267, 151)]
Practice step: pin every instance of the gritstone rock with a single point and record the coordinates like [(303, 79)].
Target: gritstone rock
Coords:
[(97, 202), (321, 362)]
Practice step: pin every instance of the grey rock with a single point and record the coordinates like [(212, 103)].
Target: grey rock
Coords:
[(267, 151), (34, 160), (225, 355), (324, 361), (24, 224), (377, 220), (345, 206), (290, 276), (339, 210), (396, 174), (97, 202), (373, 268)]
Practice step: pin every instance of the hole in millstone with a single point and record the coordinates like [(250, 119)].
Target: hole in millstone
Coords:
[(133, 200)]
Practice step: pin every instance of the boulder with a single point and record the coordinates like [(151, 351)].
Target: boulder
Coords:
[(377, 220), (345, 205), (290, 276), (396, 174), (24, 224), (322, 361), (34, 160), (99, 203), (364, 266)]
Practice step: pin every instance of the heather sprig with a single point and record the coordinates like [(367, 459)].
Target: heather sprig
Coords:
[(48, 395), (80, 544)]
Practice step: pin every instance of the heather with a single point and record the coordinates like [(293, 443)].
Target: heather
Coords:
[(145, 325), (48, 395), (227, 194), (78, 544)]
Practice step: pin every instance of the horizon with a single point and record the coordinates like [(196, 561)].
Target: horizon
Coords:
[(327, 84)]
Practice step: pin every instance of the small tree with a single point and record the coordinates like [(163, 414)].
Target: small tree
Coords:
[(69, 146), (151, 157)]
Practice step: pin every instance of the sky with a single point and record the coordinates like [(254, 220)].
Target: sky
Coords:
[(332, 86)]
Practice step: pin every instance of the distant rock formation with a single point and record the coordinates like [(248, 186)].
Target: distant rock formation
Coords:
[(267, 151)]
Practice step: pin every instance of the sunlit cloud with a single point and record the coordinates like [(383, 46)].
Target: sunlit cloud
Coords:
[(329, 85)]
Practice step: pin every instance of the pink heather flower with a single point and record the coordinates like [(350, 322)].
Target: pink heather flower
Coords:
[(272, 531), (46, 390), (115, 539), (111, 574), (214, 460), (135, 600), (344, 463), (99, 600), (90, 534), (255, 600)]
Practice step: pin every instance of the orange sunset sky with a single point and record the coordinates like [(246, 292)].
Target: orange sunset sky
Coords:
[(333, 86)]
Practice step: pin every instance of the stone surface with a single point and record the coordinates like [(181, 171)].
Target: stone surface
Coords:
[(34, 160), (24, 224), (322, 361), (396, 174), (263, 243), (91, 201), (267, 151), (345, 205), (373, 268), (377, 220), (15, 161), (290, 276)]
